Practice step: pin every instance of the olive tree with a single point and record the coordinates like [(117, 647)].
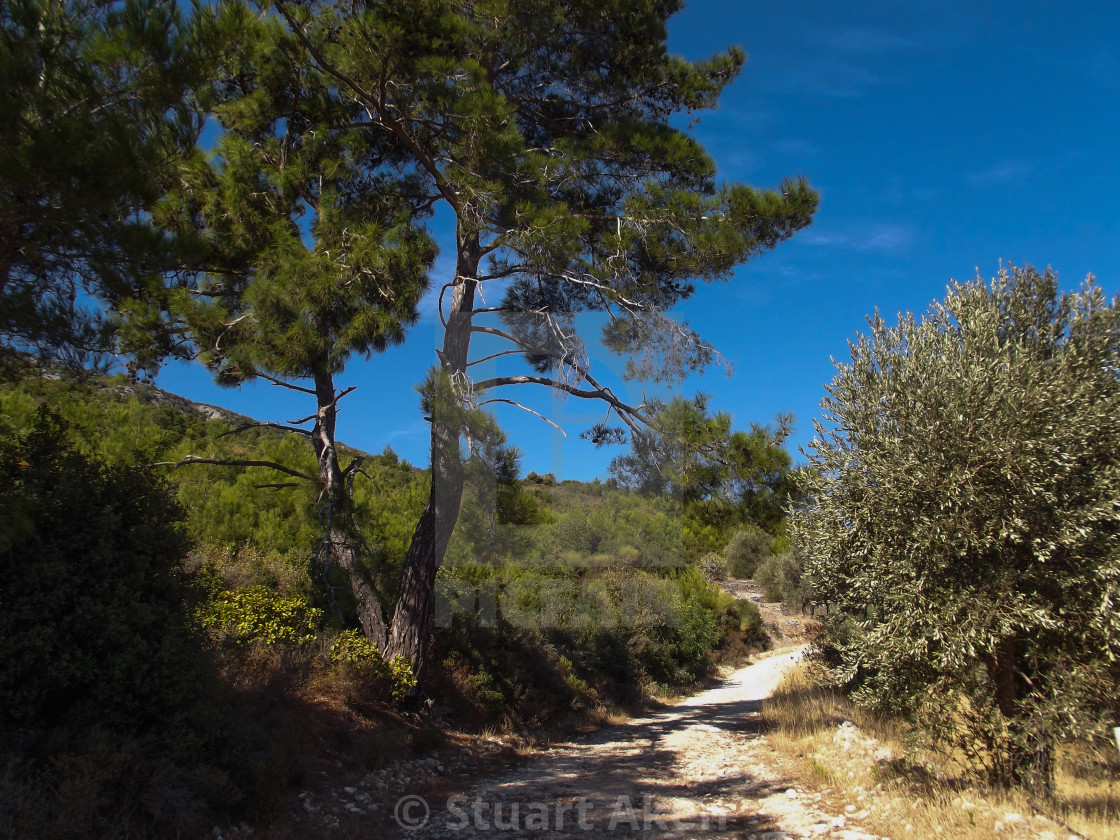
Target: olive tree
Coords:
[(963, 519)]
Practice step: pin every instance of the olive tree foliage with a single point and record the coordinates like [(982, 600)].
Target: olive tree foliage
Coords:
[(543, 128), (963, 519), (94, 104)]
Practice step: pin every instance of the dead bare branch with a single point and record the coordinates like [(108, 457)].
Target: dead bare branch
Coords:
[(284, 384), (246, 426), (235, 462), (523, 408)]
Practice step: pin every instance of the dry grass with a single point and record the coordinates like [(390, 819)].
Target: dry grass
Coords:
[(908, 793), (238, 567)]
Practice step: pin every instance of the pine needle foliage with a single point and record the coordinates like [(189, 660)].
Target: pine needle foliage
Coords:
[(95, 102)]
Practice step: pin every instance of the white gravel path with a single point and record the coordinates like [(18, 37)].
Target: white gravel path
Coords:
[(700, 769)]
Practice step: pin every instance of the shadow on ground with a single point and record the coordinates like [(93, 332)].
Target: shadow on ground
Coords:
[(621, 781)]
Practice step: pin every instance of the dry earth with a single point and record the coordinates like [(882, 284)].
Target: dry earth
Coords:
[(699, 769), (786, 629), (702, 768)]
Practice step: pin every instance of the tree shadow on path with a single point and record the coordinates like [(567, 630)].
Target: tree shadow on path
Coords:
[(632, 779)]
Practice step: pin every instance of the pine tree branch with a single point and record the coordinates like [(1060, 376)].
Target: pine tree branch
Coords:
[(565, 358), (627, 413), (377, 103), (315, 416), (508, 271), (353, 466), (283, 384), (523, 408), (234, 462), (493, 356), (245, 427)]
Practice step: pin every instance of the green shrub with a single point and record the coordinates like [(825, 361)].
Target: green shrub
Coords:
[(257, 614), (91, 600), (780, 579), (354, 650), (746, 551), (572, 680), (677, 654), (713, 566), (697, 634), (575, 533), (749, 621)]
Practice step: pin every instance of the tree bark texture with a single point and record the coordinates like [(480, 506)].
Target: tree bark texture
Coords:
[(340, 531), (412, 618), (1030, 752)]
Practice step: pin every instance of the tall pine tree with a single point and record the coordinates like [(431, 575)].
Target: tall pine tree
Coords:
[(543, 126), (314, 250)]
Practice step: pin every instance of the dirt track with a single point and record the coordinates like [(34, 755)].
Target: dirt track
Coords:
[(698, 769)]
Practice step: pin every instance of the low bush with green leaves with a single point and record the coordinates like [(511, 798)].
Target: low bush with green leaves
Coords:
[(258, 614), (744, 617), (781, 579), (747, 550), (353, 650), (91, 596)]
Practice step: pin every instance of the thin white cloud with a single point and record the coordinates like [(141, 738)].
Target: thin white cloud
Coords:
[(733, 159), (735, 119), (794, 148), (867, 40), (897, 192), (829, 78), (1009, 171), (864, 237), (1098, 66), (837, 67), (1103, 68), (416, 430)]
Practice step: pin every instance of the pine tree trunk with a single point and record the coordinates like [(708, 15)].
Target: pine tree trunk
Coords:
[(412, 618), (341, 532), (344, 553)]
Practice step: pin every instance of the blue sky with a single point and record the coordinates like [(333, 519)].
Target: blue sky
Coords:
[(942, 138)]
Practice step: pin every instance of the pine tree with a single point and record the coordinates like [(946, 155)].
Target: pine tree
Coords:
[(543, 126), (94, 102), (722, 478), (315, 252)]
